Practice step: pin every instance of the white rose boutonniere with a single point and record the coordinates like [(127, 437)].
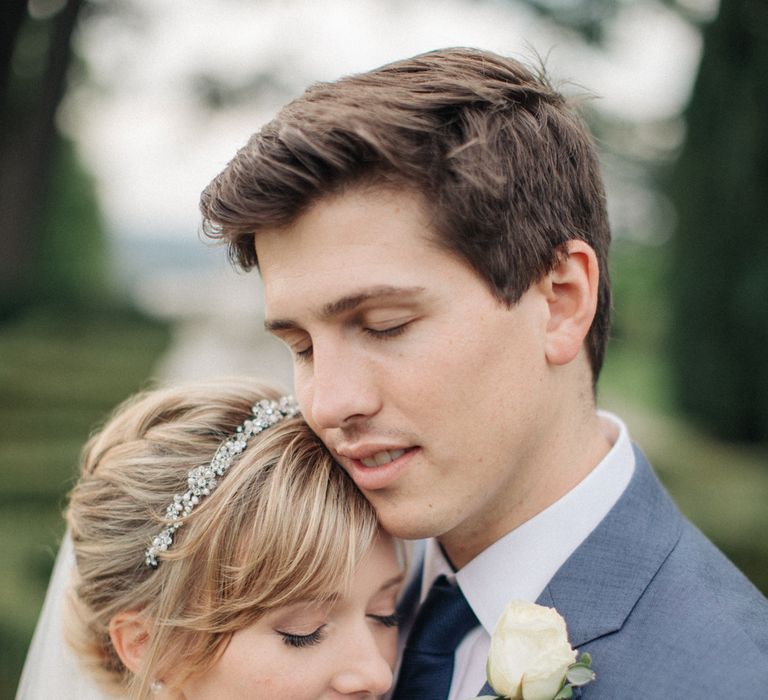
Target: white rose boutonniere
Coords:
[(530, 656)]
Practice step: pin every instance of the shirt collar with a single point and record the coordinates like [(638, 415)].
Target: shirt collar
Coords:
[(520, 564)]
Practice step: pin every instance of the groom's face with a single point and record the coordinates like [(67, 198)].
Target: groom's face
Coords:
[(429, 392)]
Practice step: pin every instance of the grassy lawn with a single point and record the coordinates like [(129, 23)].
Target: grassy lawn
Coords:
[(62, 371)]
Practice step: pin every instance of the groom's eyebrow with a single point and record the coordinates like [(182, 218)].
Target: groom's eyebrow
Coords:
[(348, 303)]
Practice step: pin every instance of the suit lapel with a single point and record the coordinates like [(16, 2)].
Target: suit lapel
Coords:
[(598, 586), (600, 583)]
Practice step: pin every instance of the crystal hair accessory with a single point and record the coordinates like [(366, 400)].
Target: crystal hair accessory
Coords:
[(204, 479)]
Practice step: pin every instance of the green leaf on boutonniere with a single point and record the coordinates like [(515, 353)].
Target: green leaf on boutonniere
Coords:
[(581, 672), (580, 675)]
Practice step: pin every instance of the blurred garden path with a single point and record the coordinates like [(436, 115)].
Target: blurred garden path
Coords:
[(217, 318)]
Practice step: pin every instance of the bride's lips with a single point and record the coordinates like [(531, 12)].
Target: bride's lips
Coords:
[(376, 468)]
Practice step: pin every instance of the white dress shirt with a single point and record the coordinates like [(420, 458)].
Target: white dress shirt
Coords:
[(521, 564)]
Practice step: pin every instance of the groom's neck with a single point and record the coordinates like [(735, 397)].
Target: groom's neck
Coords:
[(574, 443)]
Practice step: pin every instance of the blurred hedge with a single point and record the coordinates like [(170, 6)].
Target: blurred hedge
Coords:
[(63, 370)]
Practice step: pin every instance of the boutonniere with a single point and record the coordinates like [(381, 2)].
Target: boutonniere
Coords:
[(530, 656)]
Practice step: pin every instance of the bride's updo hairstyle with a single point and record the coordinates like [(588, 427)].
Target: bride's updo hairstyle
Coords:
[(284, 524)]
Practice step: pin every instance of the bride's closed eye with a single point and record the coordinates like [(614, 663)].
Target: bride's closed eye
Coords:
[(392, 620), (299, 641)]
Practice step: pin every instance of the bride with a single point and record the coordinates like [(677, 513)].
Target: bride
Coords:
[(220, 553)]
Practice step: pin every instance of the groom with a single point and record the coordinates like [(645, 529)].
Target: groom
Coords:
[(433, 242)]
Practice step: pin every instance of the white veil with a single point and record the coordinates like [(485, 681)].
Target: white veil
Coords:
[(51, 669)]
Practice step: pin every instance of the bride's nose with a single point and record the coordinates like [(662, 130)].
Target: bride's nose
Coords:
[(363, 669)]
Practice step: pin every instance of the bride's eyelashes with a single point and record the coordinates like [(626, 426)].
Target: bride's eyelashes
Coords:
[(298, 641), (392, 620)]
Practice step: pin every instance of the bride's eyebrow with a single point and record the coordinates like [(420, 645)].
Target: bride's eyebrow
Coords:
[(390, 583)]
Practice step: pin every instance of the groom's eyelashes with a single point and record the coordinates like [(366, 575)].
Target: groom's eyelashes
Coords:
[(305, 354), (383, 333)]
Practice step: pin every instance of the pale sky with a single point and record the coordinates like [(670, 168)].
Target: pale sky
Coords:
[(152, 149)]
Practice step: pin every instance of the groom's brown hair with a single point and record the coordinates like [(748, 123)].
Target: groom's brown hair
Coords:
[(505, 165)]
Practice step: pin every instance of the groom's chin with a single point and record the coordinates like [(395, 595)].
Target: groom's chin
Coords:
[(404, 520)]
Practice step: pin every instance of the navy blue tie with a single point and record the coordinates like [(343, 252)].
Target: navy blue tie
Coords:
[(442, 622)]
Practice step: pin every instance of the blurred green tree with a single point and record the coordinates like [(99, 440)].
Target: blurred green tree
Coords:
[(719, 188), (48, 254), (720, 251)]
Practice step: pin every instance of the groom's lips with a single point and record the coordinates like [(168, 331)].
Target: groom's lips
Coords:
[(375, 467)]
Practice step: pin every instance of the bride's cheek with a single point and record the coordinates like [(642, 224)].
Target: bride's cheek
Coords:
[(388, 645)]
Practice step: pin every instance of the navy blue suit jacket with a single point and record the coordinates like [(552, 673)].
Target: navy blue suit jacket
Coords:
[(662, 611)]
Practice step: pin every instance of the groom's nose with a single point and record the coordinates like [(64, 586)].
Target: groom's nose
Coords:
[(341, 389)]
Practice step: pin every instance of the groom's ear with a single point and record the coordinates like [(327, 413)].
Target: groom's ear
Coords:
[(129, 632), (571, 292)]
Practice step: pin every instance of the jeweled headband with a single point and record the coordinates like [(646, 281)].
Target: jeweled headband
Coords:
[(202, 480)]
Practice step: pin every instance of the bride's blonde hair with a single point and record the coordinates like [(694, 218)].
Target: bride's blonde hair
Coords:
[(285, 523)]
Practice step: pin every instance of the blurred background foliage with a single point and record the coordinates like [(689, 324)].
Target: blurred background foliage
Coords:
[(70, 347), (36, 164), (685, 367), (719, 186)]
